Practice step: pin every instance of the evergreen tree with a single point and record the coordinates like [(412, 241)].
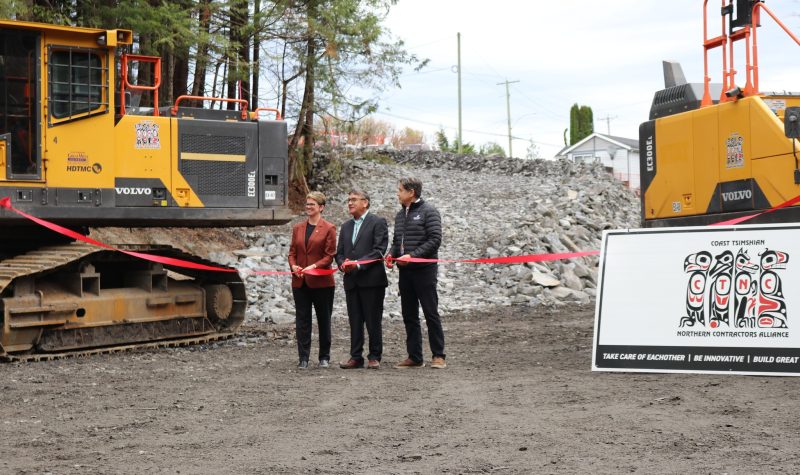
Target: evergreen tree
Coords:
[(238, 53), (586, 121), (202, 45), (581, 123), (492, 149), (14, 9), (441, 141), (466, 148)]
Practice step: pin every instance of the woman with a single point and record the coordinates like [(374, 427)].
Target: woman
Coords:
[(313, 247)]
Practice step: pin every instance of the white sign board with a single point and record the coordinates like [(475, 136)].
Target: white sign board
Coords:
[(706, 300)]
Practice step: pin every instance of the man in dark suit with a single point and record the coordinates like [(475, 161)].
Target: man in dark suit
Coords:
[(364, 237)]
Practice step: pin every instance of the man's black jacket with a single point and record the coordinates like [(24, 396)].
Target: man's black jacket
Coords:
[(371, 243), (417, 232)]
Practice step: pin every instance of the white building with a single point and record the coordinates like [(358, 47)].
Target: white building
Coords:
[(620, 156)]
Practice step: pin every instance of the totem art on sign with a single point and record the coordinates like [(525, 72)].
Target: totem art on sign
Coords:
[(729, 289)]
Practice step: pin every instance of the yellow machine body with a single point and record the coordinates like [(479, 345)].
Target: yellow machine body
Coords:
[(717, 162), (79, 149), (72, 154)]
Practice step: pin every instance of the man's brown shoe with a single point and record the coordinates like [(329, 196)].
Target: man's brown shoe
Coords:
[(373, 364), (351, 364), (438, 363), (409, 363)]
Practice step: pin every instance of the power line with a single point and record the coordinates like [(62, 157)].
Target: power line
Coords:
[(481, 132), (432, 42), (493, 76), (539, 106), (425, 71), (608, 119), (497, 75)]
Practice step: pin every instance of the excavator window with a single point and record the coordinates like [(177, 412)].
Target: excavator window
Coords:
[(78, 83), (19, 123)]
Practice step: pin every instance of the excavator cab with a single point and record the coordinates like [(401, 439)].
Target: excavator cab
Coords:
[(19, 118)]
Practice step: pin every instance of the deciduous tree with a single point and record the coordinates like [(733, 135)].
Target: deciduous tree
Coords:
[(347, 56)]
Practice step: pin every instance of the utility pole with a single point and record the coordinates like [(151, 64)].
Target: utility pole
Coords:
[(608, 120), (508, 111), (460, 138)]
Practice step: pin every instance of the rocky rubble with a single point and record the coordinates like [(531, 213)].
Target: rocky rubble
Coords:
[(490, 207)]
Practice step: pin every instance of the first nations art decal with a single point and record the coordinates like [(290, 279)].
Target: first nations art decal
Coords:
[(727, 290)]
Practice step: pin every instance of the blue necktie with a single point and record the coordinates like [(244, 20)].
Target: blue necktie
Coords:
[(356, 227)]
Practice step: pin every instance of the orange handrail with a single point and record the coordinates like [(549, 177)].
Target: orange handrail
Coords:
[(711, 43), (726, 41), (756, 19), (125, 84), (241, 102), (271, 109), (751, 50)]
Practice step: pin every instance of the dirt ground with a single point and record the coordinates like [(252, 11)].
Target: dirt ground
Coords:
[(518, 397)]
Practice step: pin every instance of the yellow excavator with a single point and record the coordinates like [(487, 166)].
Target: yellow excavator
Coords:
[(84, 142), (712, 153)]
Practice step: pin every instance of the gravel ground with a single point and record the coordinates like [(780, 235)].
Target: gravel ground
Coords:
[(517, 397)]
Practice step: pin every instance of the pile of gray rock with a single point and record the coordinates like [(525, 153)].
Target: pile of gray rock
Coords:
[(490, 207)]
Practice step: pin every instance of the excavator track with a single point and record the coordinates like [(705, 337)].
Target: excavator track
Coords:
[(76, 299), (116, 349)]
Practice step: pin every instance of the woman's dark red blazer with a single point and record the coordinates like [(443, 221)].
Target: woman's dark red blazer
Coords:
[(320, 251)]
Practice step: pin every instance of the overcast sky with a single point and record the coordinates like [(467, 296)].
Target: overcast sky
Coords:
[(604, 54)]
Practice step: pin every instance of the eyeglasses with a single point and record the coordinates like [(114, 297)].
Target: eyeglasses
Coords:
[(353, 200), (312, 204)]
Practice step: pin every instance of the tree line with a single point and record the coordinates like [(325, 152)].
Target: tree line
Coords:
[(307, 58)]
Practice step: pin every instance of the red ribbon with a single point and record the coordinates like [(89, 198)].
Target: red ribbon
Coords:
[(501, 260), (6, 203), (333, 271), (487, 260)]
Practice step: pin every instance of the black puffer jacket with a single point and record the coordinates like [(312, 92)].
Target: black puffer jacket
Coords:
[(418, 232)]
